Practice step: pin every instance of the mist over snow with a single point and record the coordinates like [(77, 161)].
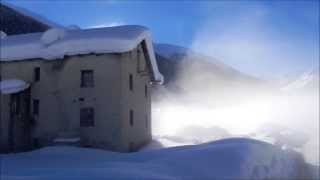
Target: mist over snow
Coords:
[(208, 100), (240, 78)]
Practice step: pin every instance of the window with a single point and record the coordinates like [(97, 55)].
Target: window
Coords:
[(131, 82), (131, 116), (35, 106), (87, 79), (37, 74), (146, 91), (87, 117)]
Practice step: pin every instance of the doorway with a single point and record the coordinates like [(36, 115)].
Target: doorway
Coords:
[(20, 122)]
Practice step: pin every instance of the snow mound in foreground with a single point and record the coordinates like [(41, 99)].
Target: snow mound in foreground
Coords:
[(237, 158)]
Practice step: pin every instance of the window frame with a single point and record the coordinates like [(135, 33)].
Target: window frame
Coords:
[(87, 82)]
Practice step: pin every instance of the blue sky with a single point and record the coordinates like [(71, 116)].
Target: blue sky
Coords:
[(268, 39)]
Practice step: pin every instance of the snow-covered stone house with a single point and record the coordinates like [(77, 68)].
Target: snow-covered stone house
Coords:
[(89, 86)]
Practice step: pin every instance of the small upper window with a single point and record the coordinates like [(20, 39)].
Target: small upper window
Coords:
[(37, 74), (131, 82), (131, 117), (87, 79), (87, 117)]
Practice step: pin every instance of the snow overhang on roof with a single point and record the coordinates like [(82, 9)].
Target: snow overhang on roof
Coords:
[(58, 42), (11, 86)]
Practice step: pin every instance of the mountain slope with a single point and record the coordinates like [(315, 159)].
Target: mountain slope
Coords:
[(188, 72), (308, 81)]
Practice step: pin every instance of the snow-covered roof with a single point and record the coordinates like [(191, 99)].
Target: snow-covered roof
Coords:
[(30, 14), (11, 86), (57, 43)]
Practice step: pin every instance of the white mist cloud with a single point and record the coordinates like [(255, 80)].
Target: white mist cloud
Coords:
[(282, 119), (214, 104)]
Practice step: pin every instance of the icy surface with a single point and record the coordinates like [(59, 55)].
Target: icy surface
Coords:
[(12, 86), (231, 158), (57, 43)]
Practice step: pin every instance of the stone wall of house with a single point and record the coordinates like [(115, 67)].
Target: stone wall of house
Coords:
[(61, 97), (137, 99)]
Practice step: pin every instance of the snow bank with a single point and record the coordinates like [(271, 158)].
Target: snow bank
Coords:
[(230, 158), (12, 86), (2, 35), (57, 43)]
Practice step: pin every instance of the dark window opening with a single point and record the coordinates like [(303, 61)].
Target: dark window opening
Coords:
[(35, 106), (146, 91), (131, 117), (87, 79), (37, 74), (131, 82), (86, 117)]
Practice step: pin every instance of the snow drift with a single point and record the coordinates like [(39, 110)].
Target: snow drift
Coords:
[(231, 158)]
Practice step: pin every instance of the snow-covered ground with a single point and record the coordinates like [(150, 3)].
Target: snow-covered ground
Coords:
[(236, 158)]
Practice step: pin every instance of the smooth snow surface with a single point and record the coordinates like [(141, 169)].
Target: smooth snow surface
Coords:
[(57, 43), (231, 158), (11, 86)]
